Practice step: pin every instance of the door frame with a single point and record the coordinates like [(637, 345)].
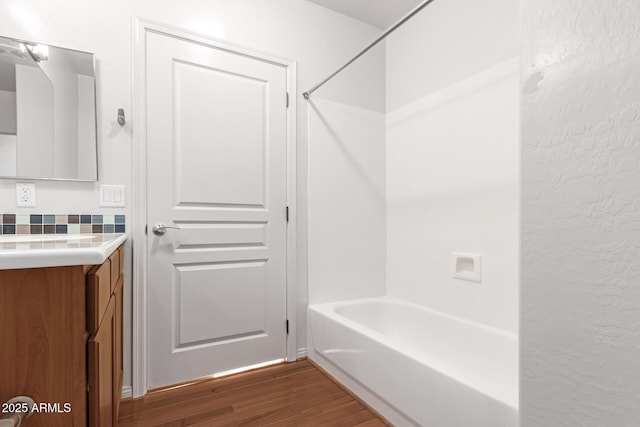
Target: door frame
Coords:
[(139, 188)]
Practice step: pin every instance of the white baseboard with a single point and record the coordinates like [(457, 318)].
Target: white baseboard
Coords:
[(301, 353), (127, 391)]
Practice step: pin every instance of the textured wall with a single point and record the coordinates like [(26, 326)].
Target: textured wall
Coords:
[(580, 293)]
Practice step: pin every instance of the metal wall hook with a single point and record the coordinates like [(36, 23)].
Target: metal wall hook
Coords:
[(121, 119)]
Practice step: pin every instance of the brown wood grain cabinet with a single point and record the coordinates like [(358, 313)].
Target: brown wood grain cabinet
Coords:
[(61, 341)]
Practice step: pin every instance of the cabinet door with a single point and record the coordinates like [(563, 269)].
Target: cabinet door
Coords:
[(100, 364), (43, 341), (98, 294), (117, 348), (114, 261)]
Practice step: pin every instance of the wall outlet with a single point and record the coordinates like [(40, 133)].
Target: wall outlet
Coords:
[(25, 194)]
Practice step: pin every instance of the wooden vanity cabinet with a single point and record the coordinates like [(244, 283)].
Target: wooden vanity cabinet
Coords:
[(61, 341), (104, 348), (101, 363)]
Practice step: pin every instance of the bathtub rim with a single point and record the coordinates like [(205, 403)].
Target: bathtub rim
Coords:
[(328, 310), (400, 301)]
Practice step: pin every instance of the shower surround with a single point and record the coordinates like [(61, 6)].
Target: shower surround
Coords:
[(408, 171)]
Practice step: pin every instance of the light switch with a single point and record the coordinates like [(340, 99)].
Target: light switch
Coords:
[(107, 195), (112, 195)]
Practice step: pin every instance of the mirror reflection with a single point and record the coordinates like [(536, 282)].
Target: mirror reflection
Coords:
[(47, 112)]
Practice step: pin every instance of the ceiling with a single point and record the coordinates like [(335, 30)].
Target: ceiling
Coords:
[(379, 13)]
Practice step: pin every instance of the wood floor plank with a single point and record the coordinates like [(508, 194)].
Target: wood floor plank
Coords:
[(289, 394)]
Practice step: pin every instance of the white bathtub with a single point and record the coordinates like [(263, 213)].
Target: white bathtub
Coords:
[(418, 366)]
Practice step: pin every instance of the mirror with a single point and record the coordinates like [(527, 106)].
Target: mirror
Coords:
[(47, 112)]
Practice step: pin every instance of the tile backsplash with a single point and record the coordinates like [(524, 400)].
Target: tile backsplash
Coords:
[(61, 224)]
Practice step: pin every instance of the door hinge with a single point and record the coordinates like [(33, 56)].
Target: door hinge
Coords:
[(287, 213), (287, 99), (287, 326), (145, 229)]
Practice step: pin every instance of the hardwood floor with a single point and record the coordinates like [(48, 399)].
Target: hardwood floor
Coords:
[(289, 394)]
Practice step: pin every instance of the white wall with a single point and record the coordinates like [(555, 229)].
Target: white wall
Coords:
[(452, 158), (347, 220), (580, 327), (320, 40)]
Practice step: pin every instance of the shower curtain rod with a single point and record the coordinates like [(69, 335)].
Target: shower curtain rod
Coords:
[(408, 16)]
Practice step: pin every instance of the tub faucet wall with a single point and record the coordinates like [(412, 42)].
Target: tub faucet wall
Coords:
[(452, 158)]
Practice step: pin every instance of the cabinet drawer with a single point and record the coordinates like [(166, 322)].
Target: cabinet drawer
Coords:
[(98, 294)]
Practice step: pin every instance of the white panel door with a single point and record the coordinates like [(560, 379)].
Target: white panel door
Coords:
[(216, 165)]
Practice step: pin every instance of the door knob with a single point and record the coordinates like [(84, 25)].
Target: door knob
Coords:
[(159, 229)]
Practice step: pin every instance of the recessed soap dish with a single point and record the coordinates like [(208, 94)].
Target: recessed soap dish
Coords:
[(467, 266)]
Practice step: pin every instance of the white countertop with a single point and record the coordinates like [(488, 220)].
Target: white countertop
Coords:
[(56, 250)]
